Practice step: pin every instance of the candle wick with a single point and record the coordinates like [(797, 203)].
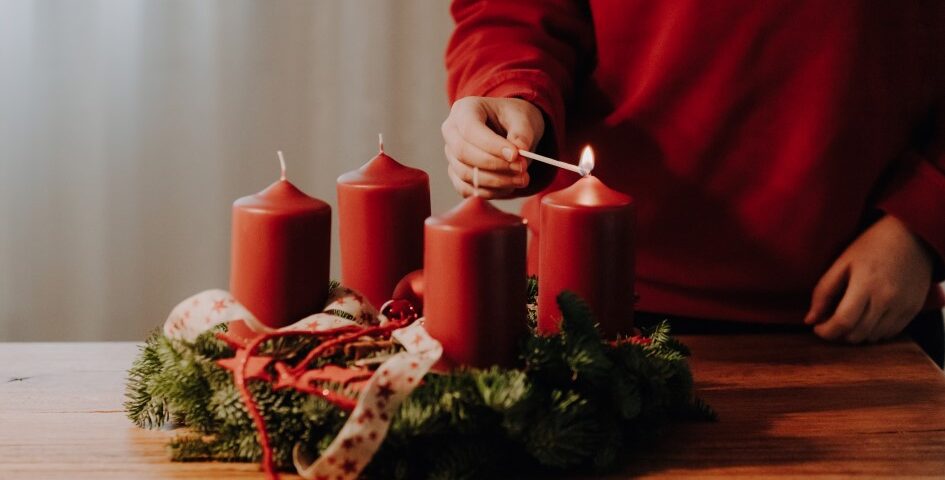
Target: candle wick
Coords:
[(475, 180), (380, 142), (281, 164)]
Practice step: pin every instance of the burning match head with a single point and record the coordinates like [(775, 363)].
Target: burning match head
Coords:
[(587, 161)]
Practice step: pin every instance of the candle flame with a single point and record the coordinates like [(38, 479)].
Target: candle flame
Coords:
[(587, 161)]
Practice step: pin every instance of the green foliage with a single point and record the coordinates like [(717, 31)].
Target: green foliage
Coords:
[(577, 401), (532, 290), (142, 406)]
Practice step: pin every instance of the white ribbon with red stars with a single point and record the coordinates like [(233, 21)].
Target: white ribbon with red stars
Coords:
[(367, 426), (394, 380), (210, 308)]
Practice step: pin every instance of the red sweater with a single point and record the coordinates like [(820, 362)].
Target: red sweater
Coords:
[(758, 137)]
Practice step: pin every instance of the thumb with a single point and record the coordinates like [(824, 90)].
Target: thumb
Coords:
[(827, 294), (522, 122)]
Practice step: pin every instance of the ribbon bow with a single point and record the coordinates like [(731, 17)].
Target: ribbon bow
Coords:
[(379, 398)]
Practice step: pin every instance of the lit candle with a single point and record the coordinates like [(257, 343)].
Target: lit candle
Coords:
[(587, 246), (474, 283), (381, 209), (281, 248)]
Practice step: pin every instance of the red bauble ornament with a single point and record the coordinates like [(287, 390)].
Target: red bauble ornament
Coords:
[(410, 288), (400, 311)]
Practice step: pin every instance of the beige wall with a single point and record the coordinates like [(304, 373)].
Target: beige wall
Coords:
[(127, 127)]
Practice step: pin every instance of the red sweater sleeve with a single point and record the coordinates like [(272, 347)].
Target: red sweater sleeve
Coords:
[(916, 195), (528, 49)]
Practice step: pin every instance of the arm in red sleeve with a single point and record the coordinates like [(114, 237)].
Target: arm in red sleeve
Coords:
[(528, 49), (916, 195)]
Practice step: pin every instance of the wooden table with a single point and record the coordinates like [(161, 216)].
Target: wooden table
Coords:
[(789, 405)]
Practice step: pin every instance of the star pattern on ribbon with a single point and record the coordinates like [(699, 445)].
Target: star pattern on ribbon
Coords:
[(367, 425)]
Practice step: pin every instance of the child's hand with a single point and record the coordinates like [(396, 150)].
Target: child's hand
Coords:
[(877, 286), (472, 140)]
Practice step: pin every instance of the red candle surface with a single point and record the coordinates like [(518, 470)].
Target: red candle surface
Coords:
[(475, 283), (587, 247), (280, 254), (381, 209)]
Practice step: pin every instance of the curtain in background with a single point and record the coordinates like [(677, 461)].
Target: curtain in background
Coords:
[(128, 127)]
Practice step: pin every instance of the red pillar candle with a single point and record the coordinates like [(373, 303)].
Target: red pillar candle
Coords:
[(475, 283), (280, 253), (381, 209), (587, 247)]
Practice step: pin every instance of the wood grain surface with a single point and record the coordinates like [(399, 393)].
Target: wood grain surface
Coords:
[(789, 405)]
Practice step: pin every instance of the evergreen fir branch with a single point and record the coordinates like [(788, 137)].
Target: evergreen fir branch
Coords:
[(626, 397), (577, 319), (673, 343), (209, 346), (568, 435), (502, 390), (532, 290), (531, 310), (141, 406), (577, 402), (658, 334), (584, 351)]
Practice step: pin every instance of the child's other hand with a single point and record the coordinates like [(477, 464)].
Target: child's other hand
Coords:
[(487, 133), (875, 288)]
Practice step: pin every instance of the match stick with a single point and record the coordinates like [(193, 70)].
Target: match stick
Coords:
[(550, 161)]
